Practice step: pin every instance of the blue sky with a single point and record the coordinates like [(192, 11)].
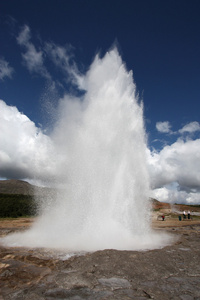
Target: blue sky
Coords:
[(158, 40)]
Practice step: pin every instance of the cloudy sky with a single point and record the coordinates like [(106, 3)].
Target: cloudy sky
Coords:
[(48, 46)]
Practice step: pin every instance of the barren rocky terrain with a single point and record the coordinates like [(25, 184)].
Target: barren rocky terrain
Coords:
[(172, 272)]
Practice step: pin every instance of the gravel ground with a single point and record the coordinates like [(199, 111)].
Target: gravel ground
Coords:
[(172, 272)]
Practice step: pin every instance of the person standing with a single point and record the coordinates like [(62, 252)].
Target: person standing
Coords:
[(188, 215)]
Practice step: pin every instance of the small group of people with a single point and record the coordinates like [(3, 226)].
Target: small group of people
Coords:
[(186, 215)]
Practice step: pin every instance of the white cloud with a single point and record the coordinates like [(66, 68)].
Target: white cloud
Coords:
[(33, 59), (60, 55), (166, 194), (24, 36), (190, 127), (178, 163), (163, 127), (62, 58), (5, 69), (24, 148)]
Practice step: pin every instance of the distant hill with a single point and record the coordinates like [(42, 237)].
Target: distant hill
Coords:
[(159, 205), (19, 198), (19, 187)]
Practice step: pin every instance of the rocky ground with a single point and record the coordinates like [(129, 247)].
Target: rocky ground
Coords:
[(172, 272)]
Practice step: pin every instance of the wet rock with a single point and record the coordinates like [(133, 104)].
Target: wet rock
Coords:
[(186, 297), (172, 272), (76, 294), (114, 283)]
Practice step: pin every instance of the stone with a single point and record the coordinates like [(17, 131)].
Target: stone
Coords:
[(172, 272)]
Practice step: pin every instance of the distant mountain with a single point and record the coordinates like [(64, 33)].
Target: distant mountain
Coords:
[(19, 187)]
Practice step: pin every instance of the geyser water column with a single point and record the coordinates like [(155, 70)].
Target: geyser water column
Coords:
[(100, 150), (103, 139)]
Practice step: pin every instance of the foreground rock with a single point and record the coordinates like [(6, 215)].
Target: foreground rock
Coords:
[(169, 273)]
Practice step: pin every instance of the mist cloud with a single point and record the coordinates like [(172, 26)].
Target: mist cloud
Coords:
[(24, 36), (190, 128), (62, 58), (33, 59), (5, 69), (163, 127)]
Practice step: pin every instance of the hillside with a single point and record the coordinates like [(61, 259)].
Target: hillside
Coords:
[(20, 187), (17, 198), (161, 206)]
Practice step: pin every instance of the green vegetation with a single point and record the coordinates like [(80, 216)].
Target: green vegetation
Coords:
[(14, 206)]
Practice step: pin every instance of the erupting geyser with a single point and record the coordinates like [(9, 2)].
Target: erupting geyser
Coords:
[(99, 158)]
